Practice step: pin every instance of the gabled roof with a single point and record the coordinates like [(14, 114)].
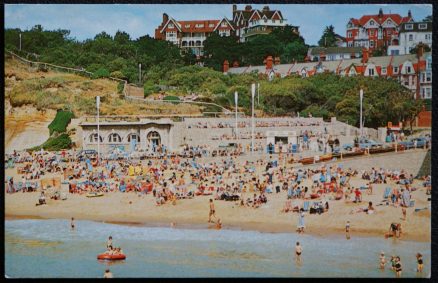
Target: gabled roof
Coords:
[(334, 50), (219, 23), (174, 22)]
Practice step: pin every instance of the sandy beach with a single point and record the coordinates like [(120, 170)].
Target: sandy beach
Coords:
[(131, 209)]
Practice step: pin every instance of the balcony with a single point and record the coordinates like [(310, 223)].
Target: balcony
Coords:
[(261, 22)]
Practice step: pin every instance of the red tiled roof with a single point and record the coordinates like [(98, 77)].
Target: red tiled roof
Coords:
[(395, 17), (193, 28)]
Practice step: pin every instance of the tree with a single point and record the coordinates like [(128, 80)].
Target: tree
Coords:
[(295, 50), (426, 49), (428, 19), (328, 38)]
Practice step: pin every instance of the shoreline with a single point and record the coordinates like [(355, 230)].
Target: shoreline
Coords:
[(267, 228)]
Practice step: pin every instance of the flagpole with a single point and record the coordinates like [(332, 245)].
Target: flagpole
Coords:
[(252, 118), (98, 129), (236, 102)]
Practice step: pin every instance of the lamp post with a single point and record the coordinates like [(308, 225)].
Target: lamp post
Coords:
[(252, 118), (98, 129), (139, 73), (258, 94), (20, 40), (236, 97), (360, 121)]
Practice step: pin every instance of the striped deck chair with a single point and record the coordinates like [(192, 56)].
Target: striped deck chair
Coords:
[(306, 205), (387, 193)]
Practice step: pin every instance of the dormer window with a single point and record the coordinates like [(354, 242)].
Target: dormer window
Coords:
[(422, 26), (395, 70), (409, 26), (171, 26), (372, 23), (224, 24), (199, 25), (211, 25), (187, 26), (383, 70)]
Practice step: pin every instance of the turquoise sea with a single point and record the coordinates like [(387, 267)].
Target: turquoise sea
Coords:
[(50, 249)]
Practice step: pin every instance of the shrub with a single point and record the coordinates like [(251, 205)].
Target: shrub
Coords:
[(171, 98), (101, 73), (149, 88), (60, 142), (120, 87), (61, 121)]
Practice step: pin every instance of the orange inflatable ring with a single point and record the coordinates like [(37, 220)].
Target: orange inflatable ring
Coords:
[(111, 257)]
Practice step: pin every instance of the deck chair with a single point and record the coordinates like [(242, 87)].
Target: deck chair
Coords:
[(387, 192), (306, 206)]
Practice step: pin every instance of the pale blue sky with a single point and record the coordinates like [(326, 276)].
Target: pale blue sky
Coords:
[(85, 21)]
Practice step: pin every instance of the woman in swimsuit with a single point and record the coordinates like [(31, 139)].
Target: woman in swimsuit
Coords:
[(398, 267)]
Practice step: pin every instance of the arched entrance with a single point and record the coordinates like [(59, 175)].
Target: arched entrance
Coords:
[(154, 140)]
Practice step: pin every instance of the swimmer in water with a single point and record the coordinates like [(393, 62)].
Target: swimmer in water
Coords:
[(218, 224), (298, 251), (347, 230), (419, 262), (107, 274), (382, 260), (72, 223)]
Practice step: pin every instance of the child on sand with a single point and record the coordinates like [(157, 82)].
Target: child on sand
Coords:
[(404, 213), (347, 230)]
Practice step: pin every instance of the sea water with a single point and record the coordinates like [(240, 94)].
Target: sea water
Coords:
[(50, 249)]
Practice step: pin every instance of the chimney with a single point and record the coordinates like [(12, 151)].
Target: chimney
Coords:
[(226, 66), (352, 55), (276, 60), (322, 56), (165, 18), (234, 8), (420, 50), (409, 14), (248, 8), (269, 62), (266, 8), (364, 55), (235, 64)]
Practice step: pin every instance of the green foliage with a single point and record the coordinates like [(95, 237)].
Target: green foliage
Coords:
[(61, 121), (150, 88), (282, 42), (171, 98), (113, 54), (57, 143), (120, 87), (425, 49), (328, 38), (101, 73)]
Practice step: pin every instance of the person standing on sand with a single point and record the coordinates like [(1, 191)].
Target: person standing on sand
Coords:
[(347, 230), (404, 213), (107, 274), (301, 225), (298, 251), (212, 212)]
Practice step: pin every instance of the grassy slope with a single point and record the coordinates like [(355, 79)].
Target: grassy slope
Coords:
[(55, 90)]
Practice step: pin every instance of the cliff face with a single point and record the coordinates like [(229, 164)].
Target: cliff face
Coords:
[(25, 126)]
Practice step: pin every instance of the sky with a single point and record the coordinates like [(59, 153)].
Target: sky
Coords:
[(86, 20)]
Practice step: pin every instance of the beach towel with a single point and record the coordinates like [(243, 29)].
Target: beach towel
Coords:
[(420, 209)]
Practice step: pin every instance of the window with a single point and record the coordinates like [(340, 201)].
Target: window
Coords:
[(211, 25), (93, 138), (224, 24), (371, 43), (371, 72), (422, 26), (429, 64), (187, 25), (395, 52), (199, 25), (371, 32), (428, 77), (133, 136), (383, 70), (411, 37), (388, 32), (396, 69), (409, 26), (408, 69), (372, 23), (114, 137), (266, 20), (349, 34), (171, 25), (428, 36)]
